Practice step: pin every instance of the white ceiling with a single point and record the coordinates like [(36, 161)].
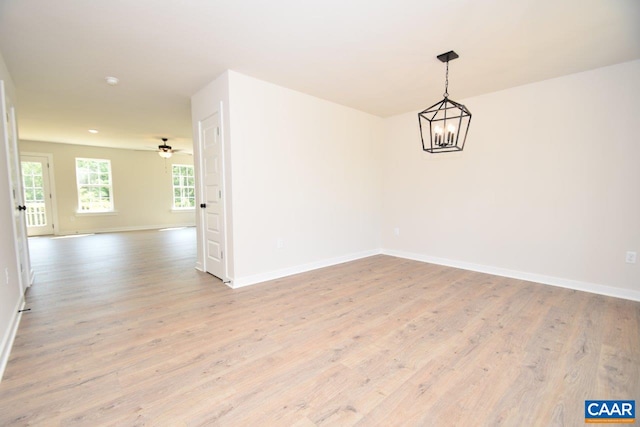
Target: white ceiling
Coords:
[(376, 56)]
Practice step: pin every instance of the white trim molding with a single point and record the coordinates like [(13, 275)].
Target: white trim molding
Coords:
[(290, 271), (183, 210), (5, 350), (122, 229), (96, 213), (593, 288)]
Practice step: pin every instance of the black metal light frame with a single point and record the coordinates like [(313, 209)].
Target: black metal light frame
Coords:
[(448, 121)]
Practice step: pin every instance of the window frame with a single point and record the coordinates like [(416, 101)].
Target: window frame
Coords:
[(100, 184), (182, 188)]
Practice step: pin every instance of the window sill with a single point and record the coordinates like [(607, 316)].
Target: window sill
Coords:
[(85, 213), (185, 210)]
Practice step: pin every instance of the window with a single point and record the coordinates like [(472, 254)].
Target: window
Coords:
[(184, 187), (95, 192)]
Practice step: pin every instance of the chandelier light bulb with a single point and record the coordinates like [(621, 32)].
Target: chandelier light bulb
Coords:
[(438, 135)]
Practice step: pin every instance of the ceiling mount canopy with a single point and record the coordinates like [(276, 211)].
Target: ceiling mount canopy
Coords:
[(444, 125)]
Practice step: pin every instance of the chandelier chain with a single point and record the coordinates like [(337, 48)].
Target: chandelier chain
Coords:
[(446, 82)]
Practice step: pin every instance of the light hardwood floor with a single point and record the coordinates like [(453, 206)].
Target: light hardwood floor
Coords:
[(124, 331)]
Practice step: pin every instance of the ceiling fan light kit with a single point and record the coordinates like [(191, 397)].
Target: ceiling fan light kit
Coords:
[(446, 121), (112, 81), (165, 154)]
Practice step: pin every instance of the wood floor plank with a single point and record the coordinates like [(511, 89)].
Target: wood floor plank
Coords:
[(124, 331)]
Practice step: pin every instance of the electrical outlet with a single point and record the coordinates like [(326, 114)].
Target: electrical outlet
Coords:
[(631, 257), (280, 243), (396, 231)]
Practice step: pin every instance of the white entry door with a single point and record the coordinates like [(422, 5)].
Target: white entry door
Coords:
[(213, 205), (37, 195)]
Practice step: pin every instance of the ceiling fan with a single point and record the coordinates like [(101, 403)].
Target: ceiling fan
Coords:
[(165, 151)]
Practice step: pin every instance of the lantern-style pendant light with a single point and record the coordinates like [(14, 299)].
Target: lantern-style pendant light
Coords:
[(447, 122)]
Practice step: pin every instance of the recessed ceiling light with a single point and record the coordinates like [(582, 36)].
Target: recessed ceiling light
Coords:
[(112, 81), (93, 131)]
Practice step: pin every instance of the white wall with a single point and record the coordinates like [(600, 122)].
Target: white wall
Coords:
[(142, 188), (305, 171), (547, 188), (11, 299)]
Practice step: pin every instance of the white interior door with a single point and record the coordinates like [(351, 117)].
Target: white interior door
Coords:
[(10, 140), (37, 195), (213, 204)]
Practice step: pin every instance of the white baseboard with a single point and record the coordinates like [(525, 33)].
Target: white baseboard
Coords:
[(10, 336), (594, 288), (278, 274), (124, 229)]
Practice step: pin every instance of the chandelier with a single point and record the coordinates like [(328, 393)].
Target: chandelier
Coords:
[(444, 125)]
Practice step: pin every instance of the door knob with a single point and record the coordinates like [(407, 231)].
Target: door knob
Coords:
[(203, 205), (22, 208)]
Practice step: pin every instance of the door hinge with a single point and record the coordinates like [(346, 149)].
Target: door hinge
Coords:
[(219, 194), (221, 254), (218, 131)]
